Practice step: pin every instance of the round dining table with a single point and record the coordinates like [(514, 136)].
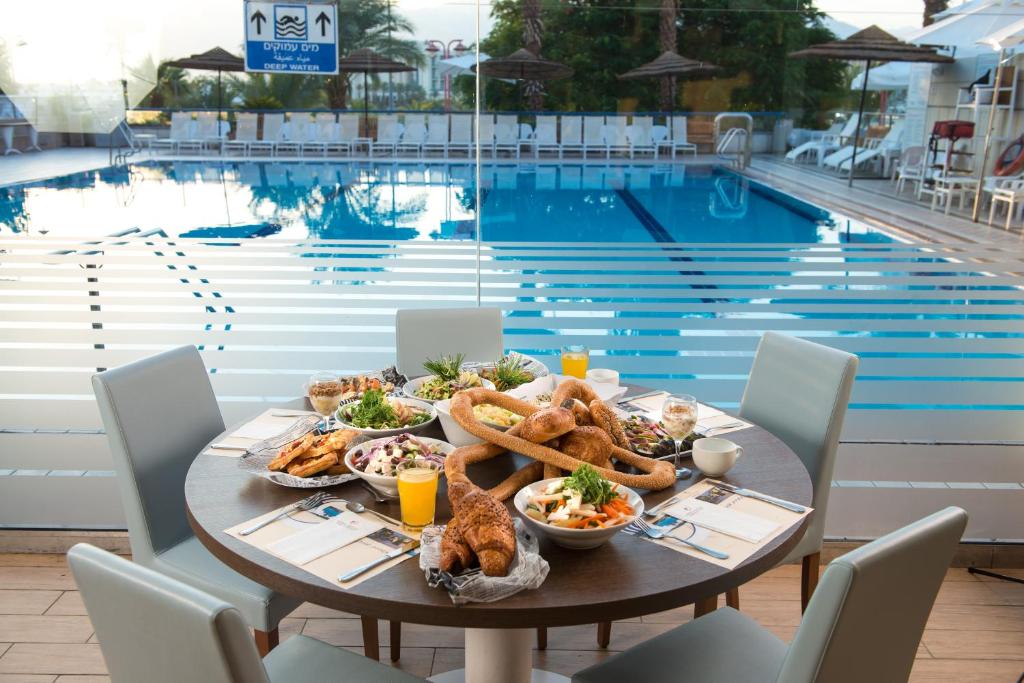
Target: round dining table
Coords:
[(627, 577)]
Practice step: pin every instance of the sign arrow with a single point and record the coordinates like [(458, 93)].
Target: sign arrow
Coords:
[(259, 18), (323, 20)]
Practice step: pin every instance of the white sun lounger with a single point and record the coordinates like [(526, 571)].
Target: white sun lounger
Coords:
[(293, 134), (414, 135), (245, 133), (615, 135), (462, 134), (319, 134), (545, 137), (347, 133), (570, 135), (389, 132), (526, 138), (593, 136), (886, 148), (181, 130), (505, 135), (204, 129), (485, 134), (437, 134), (639, 135), (828, 143), (273, 125), (676, 139)]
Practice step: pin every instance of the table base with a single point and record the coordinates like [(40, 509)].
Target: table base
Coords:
[(495, 655)]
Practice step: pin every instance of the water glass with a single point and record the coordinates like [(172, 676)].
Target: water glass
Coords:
[(679, 418), (575, 359), (417, 492)]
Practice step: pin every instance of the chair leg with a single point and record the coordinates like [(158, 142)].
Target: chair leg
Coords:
[(732, 598), (266, 641), (604, 633), (371, 642), (542, 638), (395, 640), (705, 606), (808, 578)]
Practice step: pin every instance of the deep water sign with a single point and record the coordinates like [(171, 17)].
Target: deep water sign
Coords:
[(292, 37)]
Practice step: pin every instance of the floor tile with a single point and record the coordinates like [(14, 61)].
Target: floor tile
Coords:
[(69, 603), (44, 629), (26, 601), (52, 658)]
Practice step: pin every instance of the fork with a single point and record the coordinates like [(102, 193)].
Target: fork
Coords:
[(639, 526), (304, 505), (718, 428)]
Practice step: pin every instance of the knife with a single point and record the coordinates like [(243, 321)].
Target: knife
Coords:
[(412, 548), (739, 491), (627, 399)]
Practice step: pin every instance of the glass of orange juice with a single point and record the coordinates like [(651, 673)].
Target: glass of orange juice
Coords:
[(575, 359), (417, 492)]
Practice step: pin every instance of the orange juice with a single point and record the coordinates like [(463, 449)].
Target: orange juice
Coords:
[(575, 360), (417, 492)]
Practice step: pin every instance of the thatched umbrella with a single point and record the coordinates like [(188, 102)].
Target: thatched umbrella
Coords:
[(523, 65), (667, 65), (366, 61), (871, 45), (216, 59)]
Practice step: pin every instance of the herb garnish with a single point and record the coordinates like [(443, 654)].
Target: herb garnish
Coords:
[(593, 488)]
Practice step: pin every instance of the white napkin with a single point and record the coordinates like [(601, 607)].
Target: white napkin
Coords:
[(723, 520), (263, 427), (322, 538)]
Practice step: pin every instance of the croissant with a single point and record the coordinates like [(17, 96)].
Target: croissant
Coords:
[(486, 526), (456, 554)]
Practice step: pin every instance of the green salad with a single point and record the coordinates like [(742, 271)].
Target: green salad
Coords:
[(376, 411), (448, 377)]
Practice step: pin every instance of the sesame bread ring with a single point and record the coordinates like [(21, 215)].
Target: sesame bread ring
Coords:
[(291, 451), (310, 466)]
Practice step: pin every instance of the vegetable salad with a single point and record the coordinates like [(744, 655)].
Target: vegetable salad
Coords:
[(586, 500)]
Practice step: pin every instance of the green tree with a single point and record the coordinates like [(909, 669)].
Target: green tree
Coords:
[(373, 24)]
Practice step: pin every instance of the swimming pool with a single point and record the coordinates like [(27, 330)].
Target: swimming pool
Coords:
[(522, 203)]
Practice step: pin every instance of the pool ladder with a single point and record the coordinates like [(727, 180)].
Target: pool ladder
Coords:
[(736, 146)]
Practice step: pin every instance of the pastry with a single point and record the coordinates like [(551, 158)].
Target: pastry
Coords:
[(307, 467), (291, 451), (485, 525)]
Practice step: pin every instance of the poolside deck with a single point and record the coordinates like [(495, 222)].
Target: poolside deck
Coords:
[(975, 633)]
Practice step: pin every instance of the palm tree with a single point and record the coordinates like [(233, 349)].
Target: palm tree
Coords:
[(667, 38), (372, 24), (533, 26), (277, 91)]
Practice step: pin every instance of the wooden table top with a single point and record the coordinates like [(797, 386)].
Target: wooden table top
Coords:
[(627, 577)]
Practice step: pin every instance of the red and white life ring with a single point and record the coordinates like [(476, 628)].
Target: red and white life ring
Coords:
[(1011, 161)]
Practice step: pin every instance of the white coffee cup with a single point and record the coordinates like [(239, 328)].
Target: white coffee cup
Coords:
[(714, 456), (603, 376)]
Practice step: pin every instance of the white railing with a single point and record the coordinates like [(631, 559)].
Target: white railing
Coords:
[(936, 416)]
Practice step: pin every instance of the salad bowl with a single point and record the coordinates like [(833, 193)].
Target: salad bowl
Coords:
[(576, 539), (413, 385), (348, 409), (389, 449)]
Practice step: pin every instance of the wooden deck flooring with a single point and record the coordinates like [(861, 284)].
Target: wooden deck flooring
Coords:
[(975, 633)]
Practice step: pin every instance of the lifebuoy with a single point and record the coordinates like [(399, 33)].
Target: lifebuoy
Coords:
[(1011, 161)]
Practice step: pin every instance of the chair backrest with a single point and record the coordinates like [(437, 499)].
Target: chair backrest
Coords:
[(415, 132), (617, 124), (851, 126), (348, 127), (388, 129), (206, 125), (485, 131), (462, 127), (572, 130), (658, 133), (912, 158), (423, 333), (246, 126), (508, 120), (638, 135), (593, 130), (547, 130), (525, 131), (323, 129), (437, 128), (679, 129), (505, 133), (181, 125), (894, 138), (643, 123), (799, 391), (865, 620), (297, 124), (272, 126), (154, 628), (159, 412)]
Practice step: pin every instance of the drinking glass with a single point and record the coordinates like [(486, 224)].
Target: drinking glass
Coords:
[(324, 391), (679, 417), (417, 492), (575, 359)]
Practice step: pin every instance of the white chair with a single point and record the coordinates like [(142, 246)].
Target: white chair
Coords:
[(423, 333), (273, 128), (181, 130), (593, 136), (640, 141), (437, 134), (826, 144), (678, 141), (293, 134), (414, 135), (485, 134), (246, 127), (319, 134), (1011, 193), (203, 131), (526, 139), (545, 137), (881, 150), (157, 629), (911, 167), (659, 135), (462, 134), (570, 135), (615, 135), (348, 133), (505, 138), (389, 132)]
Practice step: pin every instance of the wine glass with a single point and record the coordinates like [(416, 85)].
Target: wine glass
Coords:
[(324, 390), (679, 417)]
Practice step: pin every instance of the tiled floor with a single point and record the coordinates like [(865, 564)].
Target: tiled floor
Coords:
[(976, 630)]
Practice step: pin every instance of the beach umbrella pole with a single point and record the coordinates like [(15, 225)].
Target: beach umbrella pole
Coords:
[(988, 137), (860, 117)]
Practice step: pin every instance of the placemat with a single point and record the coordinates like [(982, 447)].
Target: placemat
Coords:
[(708, 418), (332, 565), (737, 549), (269, 423)]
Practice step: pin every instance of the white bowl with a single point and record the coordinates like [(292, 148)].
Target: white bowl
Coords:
[(388, 486), (412, 385), (453, 431), (577, 539), (375, 433)]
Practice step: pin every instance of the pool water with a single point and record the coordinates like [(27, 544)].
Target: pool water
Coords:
[(533, 203)]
